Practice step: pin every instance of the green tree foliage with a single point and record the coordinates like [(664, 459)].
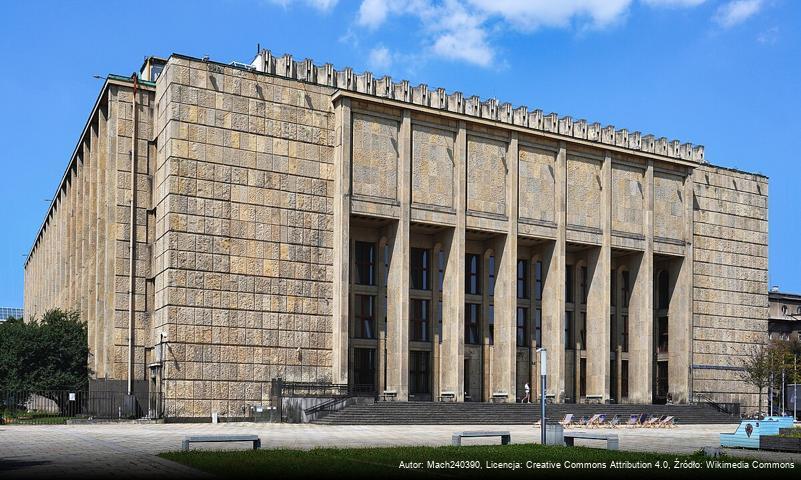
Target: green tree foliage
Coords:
[(48, 354)]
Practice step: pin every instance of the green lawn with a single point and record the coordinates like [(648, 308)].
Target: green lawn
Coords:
[(385, 462)]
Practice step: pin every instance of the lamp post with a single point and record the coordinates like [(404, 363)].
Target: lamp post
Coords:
[(543, 372)]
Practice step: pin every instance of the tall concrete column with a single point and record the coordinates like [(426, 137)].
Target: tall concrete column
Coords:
[(398, 283), (504, 359), (598, 309), (379, 316), (342, 195), (486, 349), (641, 307), (553, 291), (681, 308), (452, 350), (436, 336)]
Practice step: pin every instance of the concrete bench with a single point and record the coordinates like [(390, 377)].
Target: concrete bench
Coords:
[(612, 441), (389, 396), (221, 438), (594, 399), (456, 438), (447, 397)]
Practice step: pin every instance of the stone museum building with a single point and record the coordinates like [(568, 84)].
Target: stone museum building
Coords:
[(219, 225)]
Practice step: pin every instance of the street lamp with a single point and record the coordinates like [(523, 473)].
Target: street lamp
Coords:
[(543, 372)]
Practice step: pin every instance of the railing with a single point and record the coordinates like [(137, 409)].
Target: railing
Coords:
[(334, 403), (58, 406), (729, 408)]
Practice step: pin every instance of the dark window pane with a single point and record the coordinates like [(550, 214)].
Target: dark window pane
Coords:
[(625, 289), (419, 320), (364, 316), (420, 269), (522, 339), (663, 286), (538, 327), (441, 268), (491, 273), (473, 274), (583, 285), (472, 318), (538, 281), (491, 324), (569, 329), (569, 283), (365, 263), (522, 279)]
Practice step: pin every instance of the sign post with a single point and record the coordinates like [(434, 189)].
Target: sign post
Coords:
[(543, 372)]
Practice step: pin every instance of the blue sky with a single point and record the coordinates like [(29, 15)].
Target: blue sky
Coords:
[(722, 73)]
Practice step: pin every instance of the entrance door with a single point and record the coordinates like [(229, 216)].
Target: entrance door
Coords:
[(419, 375), (364, 369)]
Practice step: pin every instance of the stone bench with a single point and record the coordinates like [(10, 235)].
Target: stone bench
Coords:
[(389, 396), (221, 438), (456, 438), (447, 397), (594, 399), (612, 441)]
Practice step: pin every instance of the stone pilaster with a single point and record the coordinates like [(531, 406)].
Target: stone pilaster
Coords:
[(398, 283), (641, 308), (341, 256), (680, 309), (452, 350), (504, 359), (598, 308), (553, 294)]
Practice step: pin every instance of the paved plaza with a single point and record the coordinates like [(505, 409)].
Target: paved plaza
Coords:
[(131, 449)]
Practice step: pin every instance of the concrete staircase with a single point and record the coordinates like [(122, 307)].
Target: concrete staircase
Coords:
[(442, 413)]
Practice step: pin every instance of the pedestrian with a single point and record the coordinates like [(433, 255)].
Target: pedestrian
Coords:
[(527, 398)]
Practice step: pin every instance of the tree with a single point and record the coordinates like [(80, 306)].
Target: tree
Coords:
[(45, 356), (757, 368)]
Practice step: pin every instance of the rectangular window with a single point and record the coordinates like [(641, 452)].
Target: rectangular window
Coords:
[(471, 321), (663, 286), (569, 283), (625, 336), (625, 289), (583, 281), (491, 324), (522, 279), (662, 332), (419, 320), (612, 334), (441, 270), (439, 320), (364, 316), (612, 290), (386, 264), (538, 281), (365, 263), (419, 373), (491, 273), (582, 379), (472, 276), (569, 329), (522, 339), (538, 328), (582, 333), (420, 269)]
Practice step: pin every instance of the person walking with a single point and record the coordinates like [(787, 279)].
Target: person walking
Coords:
[(527, 398)]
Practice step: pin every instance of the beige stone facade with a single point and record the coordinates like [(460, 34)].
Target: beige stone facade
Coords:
[(317, 225)]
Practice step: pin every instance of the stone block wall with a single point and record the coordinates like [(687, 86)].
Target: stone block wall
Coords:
[(730, 275), (80, 261), (244, 235)]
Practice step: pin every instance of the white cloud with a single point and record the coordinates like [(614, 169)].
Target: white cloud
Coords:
[(769, 36), (736, 12), (673, 3), (463, 29), (380, 59), (532, 14), (322, 5)]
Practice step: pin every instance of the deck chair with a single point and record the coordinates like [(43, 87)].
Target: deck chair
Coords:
[(593, 421), (581, 422), (667, 422), (567, 421), (614, 422), (633, 421), (652, 422), (643, 418)]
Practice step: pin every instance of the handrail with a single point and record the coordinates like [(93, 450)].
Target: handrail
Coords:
[(729, 408)]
